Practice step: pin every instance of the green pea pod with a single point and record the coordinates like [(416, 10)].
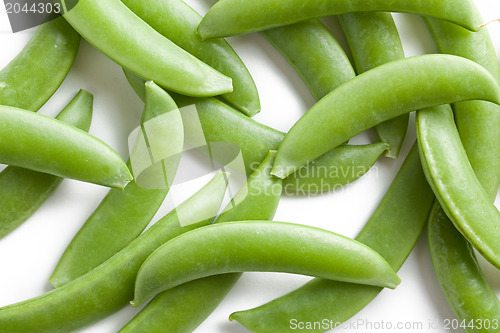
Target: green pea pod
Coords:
[(361, 103), (129, 41), (110, 286), (374, 41), (339, 167), (314, 54), (221, 123), (256, 246), (463, 283), (179, 309), (392, 230), (23, 191), (175, 20), (40, 143), (121, 216), (30, 79), (447, 169), (234, 17)]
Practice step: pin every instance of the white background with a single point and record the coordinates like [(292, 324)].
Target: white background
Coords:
[(29, 254)]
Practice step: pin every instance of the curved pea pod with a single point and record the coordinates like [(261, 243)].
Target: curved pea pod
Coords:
[(455, 184), (23, 191), (234, 17), (314, 53), (374, 40), (123, 214), (175, 20), (392, 230), (459, 275), (258, 246), (179, 309), (30, 79), (361, 103), (221, 123), (40, 143), (110, 286), (338, 167), (129, 41)]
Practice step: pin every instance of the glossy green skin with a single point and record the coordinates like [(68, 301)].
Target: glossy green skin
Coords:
[(338, 167), (23, 191), (129, 41), (361, 103), (40, 143), (110, 286), (314, 53), (454, 182), (374, 41), (259, 246), (222, 124), (30, 79), (179, 309), (461, 279), (120, 217), (478, 122), (393, 230), (175, 20), (234, 17)]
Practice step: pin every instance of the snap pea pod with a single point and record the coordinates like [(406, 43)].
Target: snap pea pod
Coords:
[(30, 79), (122, 215), (40, 143), (314, 53), (129, 41), (259, 246), (175, 20), (338, 167), (462, 281), (221, 123), (454, 182), (110, 286), (380, 94), (234, 17), (392, 230), (374, 40), (23, 191), (477, 121), (179, 309)]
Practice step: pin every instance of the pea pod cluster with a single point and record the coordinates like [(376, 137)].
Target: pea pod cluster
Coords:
[(198, 94)]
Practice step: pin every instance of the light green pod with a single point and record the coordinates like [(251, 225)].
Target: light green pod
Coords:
[(129, 41), (40, 143), (177, 21), (110, 286), (23, 191), (392, 230), (454, 182), (374, 40), (338, 167), (314, 53), (123, 214), (179, 309), (378, 95), (29, 80), (259, 246), (234, 17)]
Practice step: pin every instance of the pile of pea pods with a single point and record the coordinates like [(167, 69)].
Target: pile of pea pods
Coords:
[(190, 79)]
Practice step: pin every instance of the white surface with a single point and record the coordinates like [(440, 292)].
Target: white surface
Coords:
[(29, 255)]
